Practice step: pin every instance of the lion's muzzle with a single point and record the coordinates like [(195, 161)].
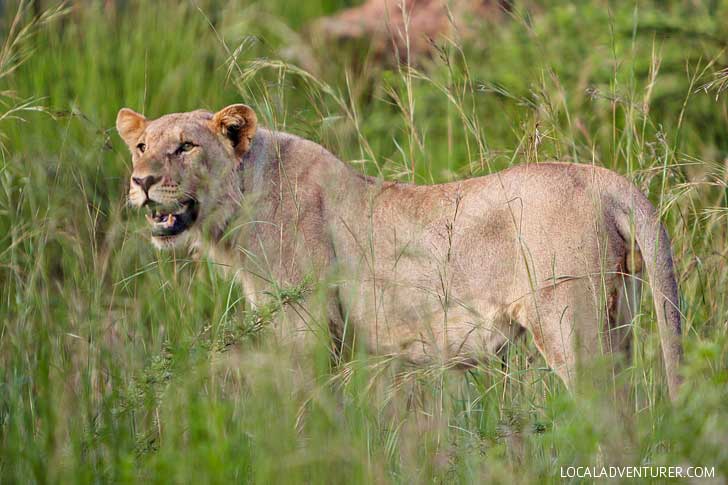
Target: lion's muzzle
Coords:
[(171, 220)]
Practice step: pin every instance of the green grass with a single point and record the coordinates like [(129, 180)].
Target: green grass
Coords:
[(118, 363)]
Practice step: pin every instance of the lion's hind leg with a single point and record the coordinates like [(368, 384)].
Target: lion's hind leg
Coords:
[(563, 320), (623, 306)]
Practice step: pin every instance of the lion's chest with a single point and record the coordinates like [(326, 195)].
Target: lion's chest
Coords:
[(231, 264)]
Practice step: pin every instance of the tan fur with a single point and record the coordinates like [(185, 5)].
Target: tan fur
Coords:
[(446, 273)]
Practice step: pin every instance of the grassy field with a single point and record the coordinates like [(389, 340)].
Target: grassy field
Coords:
[(121, 364)]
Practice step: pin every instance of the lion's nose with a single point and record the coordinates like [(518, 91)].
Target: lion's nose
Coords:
[(146, 182)]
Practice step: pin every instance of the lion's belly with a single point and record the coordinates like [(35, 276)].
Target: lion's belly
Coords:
[(424, 324)]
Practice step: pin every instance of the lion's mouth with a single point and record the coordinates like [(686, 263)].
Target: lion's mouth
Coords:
[(170, 221)]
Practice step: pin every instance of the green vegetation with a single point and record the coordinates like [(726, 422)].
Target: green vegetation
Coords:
[(118, 363)]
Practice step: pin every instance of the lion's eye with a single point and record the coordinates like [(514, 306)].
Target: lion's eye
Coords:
[(141, 147), (185, 147)]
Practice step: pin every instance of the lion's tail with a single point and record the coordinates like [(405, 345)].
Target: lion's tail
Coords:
[(654, 244)]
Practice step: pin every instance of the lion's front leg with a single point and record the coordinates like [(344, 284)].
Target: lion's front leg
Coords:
[(303, 321)]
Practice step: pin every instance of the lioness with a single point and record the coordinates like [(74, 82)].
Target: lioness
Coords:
[(448, 272)]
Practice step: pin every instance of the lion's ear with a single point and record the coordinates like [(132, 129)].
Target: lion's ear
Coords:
[(130, 126), (237, 123)]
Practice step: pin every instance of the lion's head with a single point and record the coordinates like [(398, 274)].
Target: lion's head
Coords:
[(183, 164)]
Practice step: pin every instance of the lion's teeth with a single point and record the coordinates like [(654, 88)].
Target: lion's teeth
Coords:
[(170, 220)]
